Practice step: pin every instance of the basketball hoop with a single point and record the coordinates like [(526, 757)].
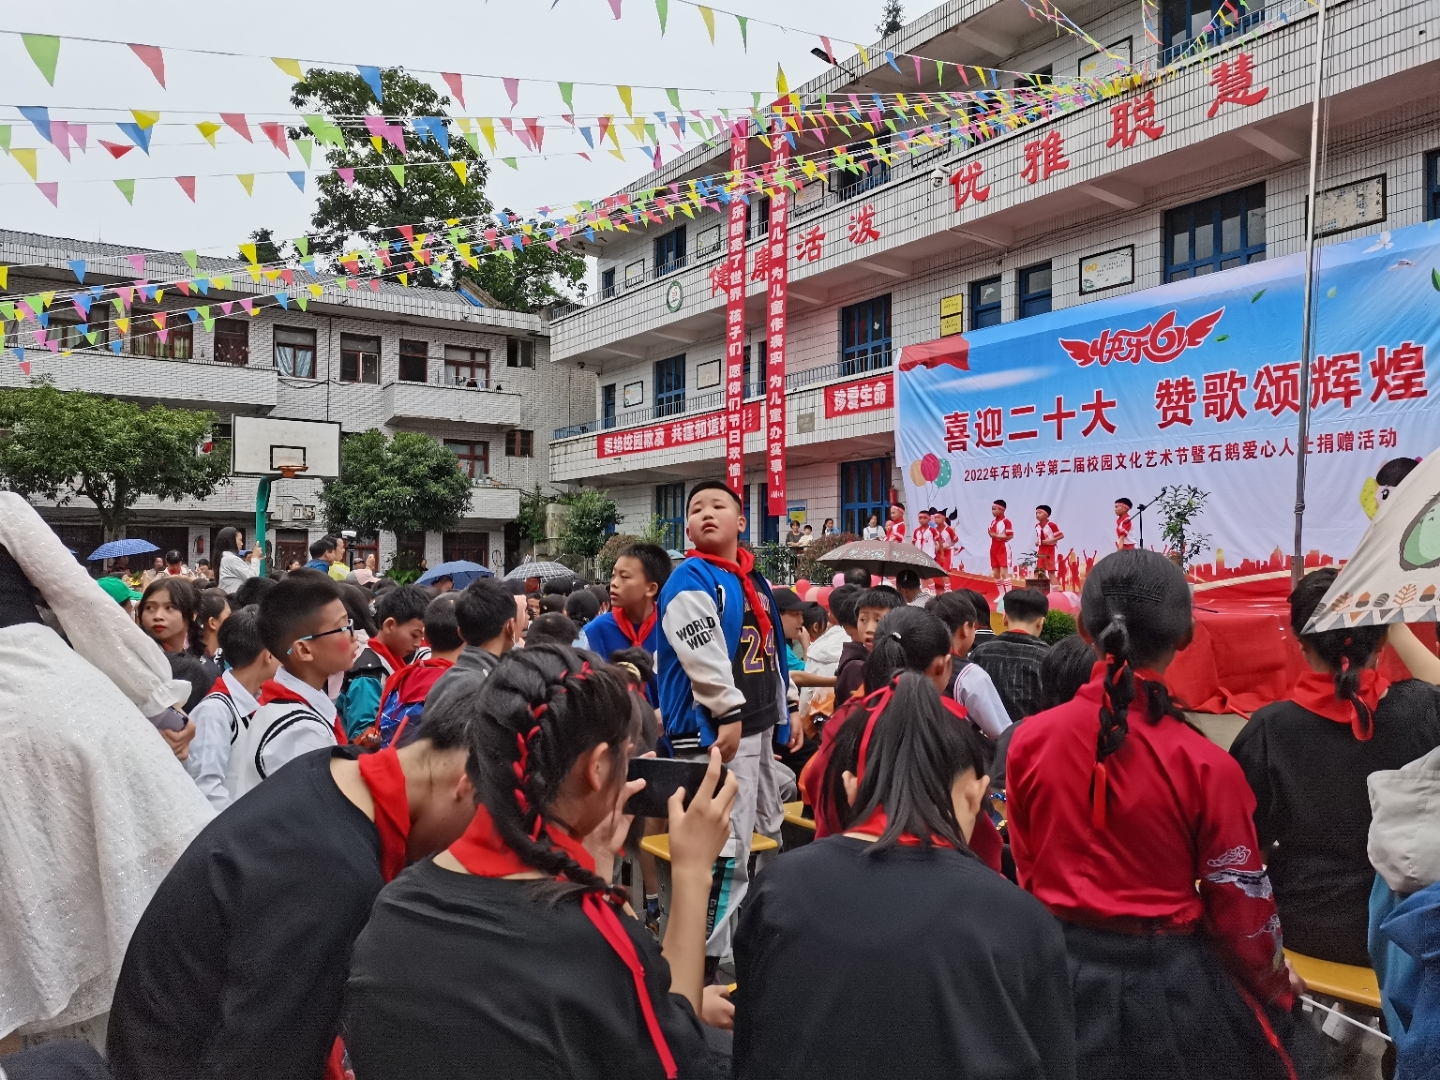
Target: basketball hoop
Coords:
[(289, 472)]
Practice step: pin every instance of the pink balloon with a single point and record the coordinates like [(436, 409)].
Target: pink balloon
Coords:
[(930, 468)]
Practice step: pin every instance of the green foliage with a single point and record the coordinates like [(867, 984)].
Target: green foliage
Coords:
[(531, 519), (810, 567), (266, 250), (1058, 624), (609, 552), (589, 513), (654, 531), (409, 483), (775, 561), (1180, 507), (892, 19), (527, 281), (56, 445)]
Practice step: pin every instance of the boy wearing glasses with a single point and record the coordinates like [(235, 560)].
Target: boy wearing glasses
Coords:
[(304, 624)]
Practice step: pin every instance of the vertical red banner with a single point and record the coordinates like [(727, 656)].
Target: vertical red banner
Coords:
[(777, 284), (735, 315)]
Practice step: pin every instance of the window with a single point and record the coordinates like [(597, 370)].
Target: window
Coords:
[(414, 361), (864, 490), (607, 405), (670, 508), (872, 170), (1215, 234), (757, 217), (179, 335), (474, 458), (232, 341), (755, 385), (520, 352), (670, 386), (295, 352), (607, 284), (467, 367), (519, 443), (1432, 185), (769, 523), (1034, 291), (1182, 21), (469, 546), (1043, 77), (68, 332), (359, 358), (670, 251), (985, 303), (865, 336)]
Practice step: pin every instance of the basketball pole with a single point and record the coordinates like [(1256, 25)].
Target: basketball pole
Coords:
[(262, 509)]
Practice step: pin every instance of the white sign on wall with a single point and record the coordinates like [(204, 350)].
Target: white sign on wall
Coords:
[(1107, 269), (1350, 206), (634, 394), (707, 374), (635, 273)]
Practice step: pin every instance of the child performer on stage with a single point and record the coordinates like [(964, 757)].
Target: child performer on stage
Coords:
[(1047, 535), (1001, 533), (947, 546), (895, 529), (1123, 525), (924, 538)]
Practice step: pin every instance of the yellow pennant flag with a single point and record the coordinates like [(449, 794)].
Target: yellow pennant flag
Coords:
[(487, 128), (782, 86), (247, 181), (4, 277), (627, 99), (864, 55), (254, 273), (123, 324), (315, 290), (289, 67), (460, 169), (26, 157), (145, 119), (621, 155), (376, 143), (709, 17), (248, 250), (271, 275), (208, 130)]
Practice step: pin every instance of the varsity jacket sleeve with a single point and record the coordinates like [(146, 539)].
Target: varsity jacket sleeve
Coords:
[(691, 624)]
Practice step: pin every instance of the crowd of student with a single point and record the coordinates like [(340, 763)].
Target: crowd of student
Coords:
[(409, 861)]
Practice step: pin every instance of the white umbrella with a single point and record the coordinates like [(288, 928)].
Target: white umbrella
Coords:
[(1394, 575), (545, 571)]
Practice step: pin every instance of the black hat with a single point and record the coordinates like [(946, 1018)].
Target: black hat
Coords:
[(786, 600)]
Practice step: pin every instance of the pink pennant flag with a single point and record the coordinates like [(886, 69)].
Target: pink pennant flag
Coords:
[(187, 185), (248, 304), (391, 133), (508, 124), (615, 7), (456, 84), (288, 276), (138, 262), (25, 367), (536, 132), (512, 88), (408, 232), (917, 68), (126, 293), (276, 135), (236, 122), (568, 118), (184, 287), (374, 285), (51, 191), (227, 306), (117, 151), (347, 175), (525, 140), (78, 133), (60, 136), (152, 58), (829, 52)]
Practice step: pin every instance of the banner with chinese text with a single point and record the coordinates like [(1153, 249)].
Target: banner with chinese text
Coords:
[(777, 243), (735, 319), (1194, 382), (675, 433)]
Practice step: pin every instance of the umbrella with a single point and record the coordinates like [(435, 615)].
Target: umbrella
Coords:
[(545, 571), (460, 572), (117, 548), (1394, 575), (883, 557)]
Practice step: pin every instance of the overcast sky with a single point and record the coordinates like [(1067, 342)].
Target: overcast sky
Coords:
[(573, 40)]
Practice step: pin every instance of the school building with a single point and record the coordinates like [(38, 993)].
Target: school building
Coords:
[(1198, 170), (473, 376)]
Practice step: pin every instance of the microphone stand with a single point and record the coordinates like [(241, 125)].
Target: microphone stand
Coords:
[(1140, 516)]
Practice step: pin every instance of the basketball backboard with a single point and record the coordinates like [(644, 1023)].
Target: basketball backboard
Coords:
[(266, 446)]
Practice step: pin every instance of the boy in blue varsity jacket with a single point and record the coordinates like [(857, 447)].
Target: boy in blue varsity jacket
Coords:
[(721, 684)]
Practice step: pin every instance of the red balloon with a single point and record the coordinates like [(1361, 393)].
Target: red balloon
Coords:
[(930, 468), (801, 584)]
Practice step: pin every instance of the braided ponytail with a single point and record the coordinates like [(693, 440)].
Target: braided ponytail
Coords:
[(1346, 651)]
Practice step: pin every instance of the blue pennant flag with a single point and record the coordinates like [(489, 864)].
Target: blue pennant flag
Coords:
[(372, 76), (83, 302), (78, 267), (138, 135), (284, 299), (298, 178), (202, 286), (585, 132), (40, 117)]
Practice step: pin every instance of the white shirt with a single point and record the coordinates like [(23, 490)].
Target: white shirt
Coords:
[(873, 532), (233, 572), (975, 690), (925, 539), (278, 733), (218, 723)]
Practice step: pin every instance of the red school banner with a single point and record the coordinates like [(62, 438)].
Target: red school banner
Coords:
[(735, 319), (777, 243), (685, 432), (857, 397)]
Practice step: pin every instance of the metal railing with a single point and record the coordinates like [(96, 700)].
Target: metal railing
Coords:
[(1200, 43)]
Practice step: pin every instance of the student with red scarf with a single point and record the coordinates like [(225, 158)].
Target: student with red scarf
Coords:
[(1308, 760), (632, 622), (507, 955), (403, 700), (1118, 808), (890, 950), (400, 614)]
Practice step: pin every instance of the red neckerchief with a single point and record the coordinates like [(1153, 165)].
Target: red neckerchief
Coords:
[(271, 690), (483, 852), (386, 780), (393, 662), (1100, 779), (626, 627), (876, 823), (1316, 692), (742, 566), (220, 687)]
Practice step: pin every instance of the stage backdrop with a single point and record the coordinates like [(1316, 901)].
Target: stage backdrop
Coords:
[(1194, 382)]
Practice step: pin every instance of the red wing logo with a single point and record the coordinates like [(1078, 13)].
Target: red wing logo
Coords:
[(1159, 342)]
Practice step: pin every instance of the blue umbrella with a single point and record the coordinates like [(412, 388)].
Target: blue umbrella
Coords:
[(460, 572), (117, 548)]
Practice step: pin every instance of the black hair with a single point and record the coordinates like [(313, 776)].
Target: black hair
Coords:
[(357, 605), (516, 586), (483, 610), (404, 604), (601, 594), (250, 591), (842, 604), (209, 603), (182, 595), (1065, 669), (581, 606), (883, 597), (1125, 503), (1026, 605), (552, 628), (553, 602), (643, 663), (816, 617), (172, 557), (442, 628), (712, 485), (542, 709), (1136, 608), (640, 658), (557, 587), (1346, 649), (652, 558), (202, 562), (1042, 506), (897, 503), (979, 603), (240, 640), (907, 579), (953, 609), (321, 546), (226, 540), (1395, 470), (915, 751), (907, 639), (858, 576), (289, 611), (1000, 503)]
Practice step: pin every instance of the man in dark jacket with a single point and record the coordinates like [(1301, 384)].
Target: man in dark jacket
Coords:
[(1013, 659), (491, 624)]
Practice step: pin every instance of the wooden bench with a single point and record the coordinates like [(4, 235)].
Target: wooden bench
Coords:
[(1344, 981), (797, 829)]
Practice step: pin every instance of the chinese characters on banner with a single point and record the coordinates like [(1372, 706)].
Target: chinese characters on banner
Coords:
[(858, 397), (675, 433), (775, 303), (735, 319)]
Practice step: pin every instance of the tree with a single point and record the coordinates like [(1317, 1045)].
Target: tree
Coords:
[(530, 521), (892, 19), (408, 483), (57, 445), (590, 513), (527, 281), (266, 249)]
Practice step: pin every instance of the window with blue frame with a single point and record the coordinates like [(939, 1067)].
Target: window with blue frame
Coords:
[(984, 303), (670, 251), (1187, 24), (865, 336), (755, 383), (1215, 234), (769, 523), (670, 386), (1432, 185), (607, 284), (607, 405), (864, 490), (670, 509), (1034, 296)]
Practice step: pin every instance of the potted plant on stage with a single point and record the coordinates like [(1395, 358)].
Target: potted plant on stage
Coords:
[(1180, 508), (1033, 579)]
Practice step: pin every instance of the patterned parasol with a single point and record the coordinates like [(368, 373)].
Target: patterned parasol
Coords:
[(883, 557)]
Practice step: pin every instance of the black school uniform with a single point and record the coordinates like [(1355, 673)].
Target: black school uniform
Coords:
[(463, 976), (914, 964), (237, 968), (1312, 810)]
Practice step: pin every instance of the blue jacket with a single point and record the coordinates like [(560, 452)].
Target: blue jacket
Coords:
[(702, 608), (1405, 949), (604, 637)]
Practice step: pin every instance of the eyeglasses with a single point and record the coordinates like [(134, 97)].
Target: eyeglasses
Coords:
[(348, 628)]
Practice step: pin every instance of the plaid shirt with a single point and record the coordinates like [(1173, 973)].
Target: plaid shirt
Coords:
[(1012, 660)]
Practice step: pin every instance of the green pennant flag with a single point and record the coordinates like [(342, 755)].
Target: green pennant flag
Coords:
[(302, 245), (473, 138), (397, 171), (511, 162), (119, 305), (674, 96), (204, 313), (326, 133), (744, 34), (191, 258), (44, 49), (5, 137), (662, 8), (650, 134), (7, 309), (756, 95), (306, 148), (302, 301), (127, 188), (91, 335), (567, 93)]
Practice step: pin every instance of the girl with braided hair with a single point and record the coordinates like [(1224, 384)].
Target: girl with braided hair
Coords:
[(902, 941), (1117, 809), (1308, 759), (505, 955)]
